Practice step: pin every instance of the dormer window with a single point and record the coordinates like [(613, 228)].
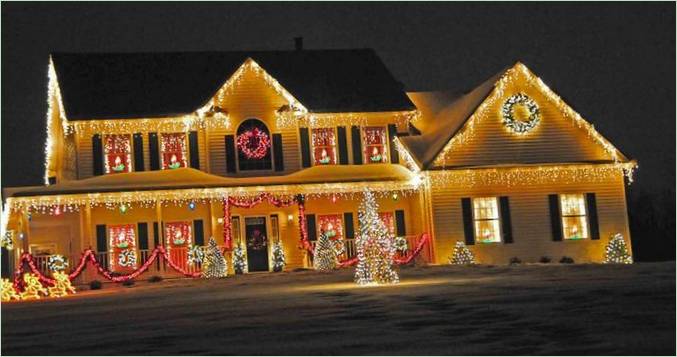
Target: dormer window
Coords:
[(173, 148), (118, 153), (324, 146), (375, 150)]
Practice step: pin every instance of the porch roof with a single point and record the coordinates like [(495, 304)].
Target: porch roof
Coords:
[(186, 178)]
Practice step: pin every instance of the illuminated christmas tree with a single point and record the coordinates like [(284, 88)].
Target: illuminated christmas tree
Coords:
[(324, 257), (617, 251), (62, 286), (375, 246), (462, 255), (33, 288), (214, 265), (8, 292), (278, 257), (239, 260)]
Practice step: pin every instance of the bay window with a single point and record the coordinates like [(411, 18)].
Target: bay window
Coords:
[(486, 219)]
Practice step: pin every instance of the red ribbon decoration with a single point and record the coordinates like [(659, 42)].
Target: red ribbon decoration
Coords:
[(227, 231)]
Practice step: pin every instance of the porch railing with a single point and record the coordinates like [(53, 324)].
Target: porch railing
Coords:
[(351, 249)]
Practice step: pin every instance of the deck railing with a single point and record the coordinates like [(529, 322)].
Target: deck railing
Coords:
[(351, 249)]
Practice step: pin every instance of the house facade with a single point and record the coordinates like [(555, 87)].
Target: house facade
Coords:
[(256, 149)]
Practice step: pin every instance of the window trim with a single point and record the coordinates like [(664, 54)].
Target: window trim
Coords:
[(562, 216), (498, 219)]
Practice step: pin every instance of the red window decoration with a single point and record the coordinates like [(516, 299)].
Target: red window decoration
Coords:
[(118, 151), (174, 151), (375, 145), (123, 247), (254, 144), (332, 226), (389, 220), (178, 234), (324, 146)]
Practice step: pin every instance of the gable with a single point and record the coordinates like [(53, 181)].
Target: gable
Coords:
[(561, 135)]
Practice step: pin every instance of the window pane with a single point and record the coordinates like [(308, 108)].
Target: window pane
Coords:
[(572, 204), (487, 231), (123, 247), (487, 227), (486, 208), (575, 227), (374, 145), (324, 146), (174, 151), (118, 151)]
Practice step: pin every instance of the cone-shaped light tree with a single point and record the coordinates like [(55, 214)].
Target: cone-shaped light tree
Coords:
[(214, 265), (324, 257), (375, 246), (278, 257), (239, 260), (617, 251), (462, 255)]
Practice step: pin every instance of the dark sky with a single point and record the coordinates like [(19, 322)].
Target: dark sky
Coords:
[(613, 63)]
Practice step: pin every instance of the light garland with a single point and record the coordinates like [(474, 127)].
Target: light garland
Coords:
[(467, 131), (184, 123), (62, 286), (462, 255), (291, 118), (405, 155), (519, 126), (616, 251), (57, 263)]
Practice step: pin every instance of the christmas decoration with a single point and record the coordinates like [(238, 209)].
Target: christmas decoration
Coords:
[(401, 244), (214, 265), (239, 260), (462, 255), (191, 205), (127, 258), (62, 286), (374, 141), (173, 148), (324, 146), (57, 263), (117, 149), (195, 255), (254, 143), (617, 251), (278, 257), (179, 234), (123, 208), (33, 289), (7, 241), (375, 246), (520, 125), (8, 291), (395, 196), (324, 258)]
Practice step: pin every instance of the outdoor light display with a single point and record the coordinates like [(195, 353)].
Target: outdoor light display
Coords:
[(195, 255), (375, 144), (332, 227), (239, 260), (118, 153), (461, 255), (179, 234), (278, 257), (173, 148), (57, 263), (617, 251), (8, 291), (520, 113), (123, 247), (62, 286), (324, 258), (254, 144), (324, 146), (214, 265), (33, 289)]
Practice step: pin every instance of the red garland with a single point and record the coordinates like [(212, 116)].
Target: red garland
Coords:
[(227, 231), (244, 143)]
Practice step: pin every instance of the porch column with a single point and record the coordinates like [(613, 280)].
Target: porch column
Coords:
[(158, 218)]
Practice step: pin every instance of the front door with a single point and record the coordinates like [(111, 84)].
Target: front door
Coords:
[(257, 243)]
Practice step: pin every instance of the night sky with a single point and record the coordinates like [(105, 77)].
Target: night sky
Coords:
[(613, 63)]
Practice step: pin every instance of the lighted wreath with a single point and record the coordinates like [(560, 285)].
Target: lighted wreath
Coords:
[(253, 143), (516, 125), (57, 262)]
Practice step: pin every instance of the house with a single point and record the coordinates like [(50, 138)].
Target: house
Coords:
[(276, 147)]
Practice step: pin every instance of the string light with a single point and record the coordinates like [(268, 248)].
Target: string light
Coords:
[(8, 291), (462, 255), (239, 259), (214, 265), (62, 286), (57, 263), (279, 260), (617, 251), (33, 288), (324, 257)]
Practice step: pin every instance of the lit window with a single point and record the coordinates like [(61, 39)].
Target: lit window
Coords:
[(332, 226), (178, 234), (324, 146), (486, 218), (123, 247), (389, 220), (574, 219), (174, 151), (118, 151), (375, 144)]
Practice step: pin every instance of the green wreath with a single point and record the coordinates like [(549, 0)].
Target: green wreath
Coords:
[(520, 126)]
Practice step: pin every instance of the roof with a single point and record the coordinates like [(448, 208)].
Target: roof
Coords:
[(145, 85), (443, 114), (185, 178)]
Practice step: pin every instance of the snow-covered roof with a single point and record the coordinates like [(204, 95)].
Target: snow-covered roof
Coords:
[(185, 178)]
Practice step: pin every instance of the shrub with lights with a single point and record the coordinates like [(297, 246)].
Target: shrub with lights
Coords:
[(214, 264), (324, 257), (278, 257), (462, 255), (617, 251), (239, 260)]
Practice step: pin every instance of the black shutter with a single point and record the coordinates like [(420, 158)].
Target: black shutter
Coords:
[(51, 180), (311, 227), (278, 157), (194, 150), (138, 152), (101, 241), (350, 226), (230, 154), (305, 147), (198, 226), (156, 234), (143, 235), (555, 218), (506, 222), (154, 149), (593, 220), (97, 155), (342, 145), (392, 134), (357, 144), (468, 228), (400, 227)]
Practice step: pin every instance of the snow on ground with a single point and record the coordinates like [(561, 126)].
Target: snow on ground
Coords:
[(526, 309)]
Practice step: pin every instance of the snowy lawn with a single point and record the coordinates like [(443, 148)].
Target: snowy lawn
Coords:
[(526, 309)]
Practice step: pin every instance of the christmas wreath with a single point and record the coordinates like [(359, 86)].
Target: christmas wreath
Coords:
[(516, 125), (253, 143)]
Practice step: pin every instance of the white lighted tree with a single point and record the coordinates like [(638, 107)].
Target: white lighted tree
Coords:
[(617, 251), (462, 255), (375, 246), (239, 259), (324, 257), (214, 264), (278, 257)]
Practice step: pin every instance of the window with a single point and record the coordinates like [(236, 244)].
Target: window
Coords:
[(173, 148), (253, 146), (375, 145), (122, 240), (332, 226), (389, 221), (118, 153), (574, 217), (324, 146), (486, 220), (179, 234)]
